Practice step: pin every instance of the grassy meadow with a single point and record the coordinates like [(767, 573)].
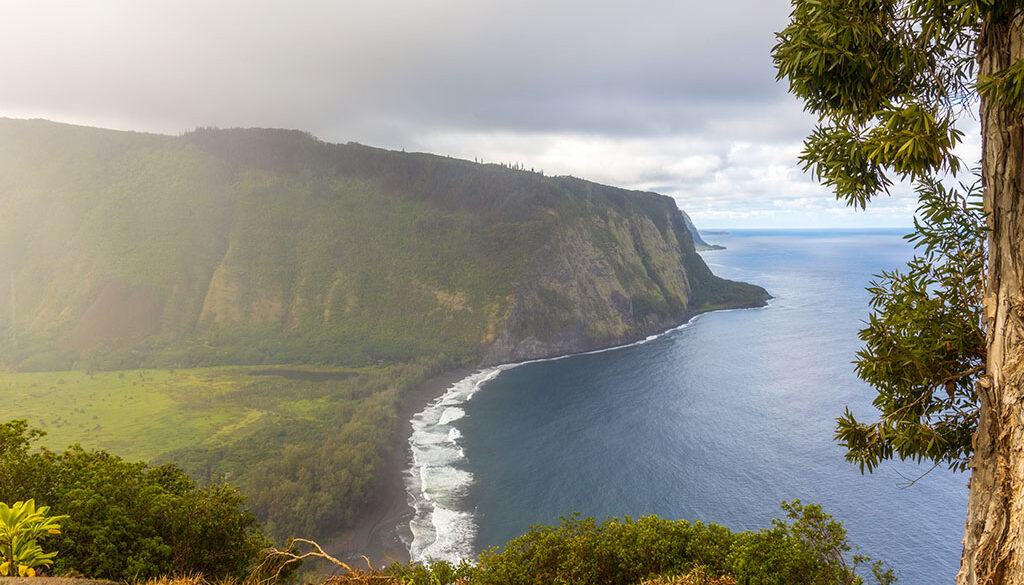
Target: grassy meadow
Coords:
[(137, 414)]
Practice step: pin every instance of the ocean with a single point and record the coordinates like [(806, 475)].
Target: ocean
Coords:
[(719, 421)]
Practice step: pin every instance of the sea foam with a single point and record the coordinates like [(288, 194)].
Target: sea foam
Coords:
[(436, 486)]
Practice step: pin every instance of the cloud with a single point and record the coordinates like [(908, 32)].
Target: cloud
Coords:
[(568, 65), (676, 97)]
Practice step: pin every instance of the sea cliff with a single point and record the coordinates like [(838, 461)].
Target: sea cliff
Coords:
[(605, 281), (253, 246)]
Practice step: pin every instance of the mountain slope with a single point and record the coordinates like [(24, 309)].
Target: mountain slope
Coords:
[(269, 246)]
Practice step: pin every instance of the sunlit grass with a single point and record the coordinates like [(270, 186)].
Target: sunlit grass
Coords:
[(139, 414)]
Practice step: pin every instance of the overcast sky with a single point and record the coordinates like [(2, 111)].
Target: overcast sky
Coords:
[(674, 96)]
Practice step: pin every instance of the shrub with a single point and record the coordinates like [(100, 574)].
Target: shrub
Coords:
[(128, 520), (806, 548)]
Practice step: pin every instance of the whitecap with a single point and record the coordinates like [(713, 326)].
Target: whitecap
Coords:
[(442, 528), (450, 415), (451, 530)]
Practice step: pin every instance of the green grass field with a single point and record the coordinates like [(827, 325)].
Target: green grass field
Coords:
[(136, 414), (141, 414)]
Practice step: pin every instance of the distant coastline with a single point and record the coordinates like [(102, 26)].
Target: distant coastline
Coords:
[(382, 532)]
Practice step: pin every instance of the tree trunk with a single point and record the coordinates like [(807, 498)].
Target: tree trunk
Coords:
[(994, 535)]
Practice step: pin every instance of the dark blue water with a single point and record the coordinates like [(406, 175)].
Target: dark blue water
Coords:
[(719, 421)]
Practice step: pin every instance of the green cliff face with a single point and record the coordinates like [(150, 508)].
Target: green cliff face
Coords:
[(120, 250), (614, 274)]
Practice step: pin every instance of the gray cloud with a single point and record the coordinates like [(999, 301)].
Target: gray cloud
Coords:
[(629, 68), (655, 94)]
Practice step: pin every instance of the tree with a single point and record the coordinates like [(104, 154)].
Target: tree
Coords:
[(924, 344), (887, 79)]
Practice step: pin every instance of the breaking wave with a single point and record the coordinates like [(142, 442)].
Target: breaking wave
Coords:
[(442, 529)]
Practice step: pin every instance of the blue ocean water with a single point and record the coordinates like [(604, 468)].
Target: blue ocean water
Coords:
[(718, 421)]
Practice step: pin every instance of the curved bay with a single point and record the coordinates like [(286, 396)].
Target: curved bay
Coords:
[(719, 421)]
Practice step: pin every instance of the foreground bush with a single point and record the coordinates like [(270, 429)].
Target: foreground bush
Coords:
[(807, 548), (129, 521)]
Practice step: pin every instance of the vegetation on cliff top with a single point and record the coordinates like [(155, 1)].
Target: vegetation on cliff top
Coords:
[(806, 547)]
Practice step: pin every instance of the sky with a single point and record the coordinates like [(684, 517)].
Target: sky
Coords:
[(673, 96)]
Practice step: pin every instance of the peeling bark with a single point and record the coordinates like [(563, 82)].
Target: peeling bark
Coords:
[(994, 534)]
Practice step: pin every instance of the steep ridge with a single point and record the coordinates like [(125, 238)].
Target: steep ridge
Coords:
[(123, 249)]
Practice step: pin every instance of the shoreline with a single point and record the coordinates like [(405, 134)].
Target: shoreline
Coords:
[(381, 531)]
